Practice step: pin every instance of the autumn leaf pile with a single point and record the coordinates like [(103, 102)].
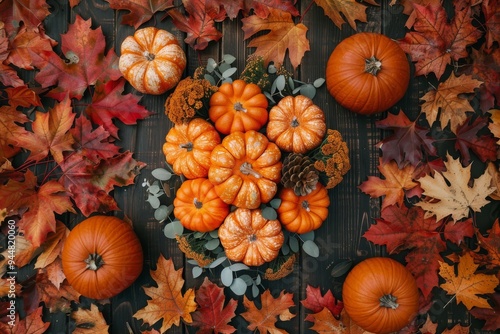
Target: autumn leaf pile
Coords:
[(61, 105)]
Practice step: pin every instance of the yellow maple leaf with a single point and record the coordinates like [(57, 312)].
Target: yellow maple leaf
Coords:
[(325, 322), (449, 193), (466, 285), (167, 302), (447, 100)]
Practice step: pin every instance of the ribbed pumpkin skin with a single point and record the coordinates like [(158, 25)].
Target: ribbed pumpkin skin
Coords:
[(362, 92), (250, 238), (238, 106), (115, 241), (296, 124), (152, 60), (371, 279), (245, 169), (303, 214), (188, 147), (198, 207)]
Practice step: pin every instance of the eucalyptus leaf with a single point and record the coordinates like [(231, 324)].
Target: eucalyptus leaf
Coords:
[(269, 213), (239, 266), (161, 213), (229, 59), (224, 67), (197, 271), (296, 90), (271, 69), (341, 268), (229, 80), (307, 236), (211, 65), (229, 72), (285, 249), (258, 279), (239, 287), (226, 276), (280, 82), (153, 201), (318, 82), (255, 291), (212, 244), (310, 248), (210, 79), (273, 87), (275, 203), (192, 262), (161, 174), (217, 262), (199, 235), (294, 244), (269, 96), (248, 280), (172, 229), (308, 90), (154, 189), (291, 83), (214, 234)]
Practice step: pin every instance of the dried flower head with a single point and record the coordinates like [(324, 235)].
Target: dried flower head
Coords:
[(282, 269), (189, 247)]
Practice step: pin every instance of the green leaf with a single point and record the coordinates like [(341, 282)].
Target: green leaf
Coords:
[(294, 244), (269, 213), (217, 262), (308, 90), (239, 287), (280, 82), (172, 229), (212, 244), (229, 72), (310, 248), (285, 249), (226, 276), (255, 291), (307, 236), (214, 234), (228, 59), (238, 266), (271, 69), (162, 213), (210, 79), (318, 82), (161, 174), (153, 201), (275, 203), (211, 65), (197, 271), (341, 268)]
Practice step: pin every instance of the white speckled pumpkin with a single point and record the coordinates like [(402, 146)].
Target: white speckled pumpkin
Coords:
[(152, 60)]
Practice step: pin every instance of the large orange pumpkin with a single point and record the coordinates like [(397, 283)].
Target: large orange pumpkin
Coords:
[(296, 124), (198, 207), (152, 60), (101, 257), (238, 106), (188, 147), (302, 214), (248, 237), (245, 169), (380, 295), (367, 73)]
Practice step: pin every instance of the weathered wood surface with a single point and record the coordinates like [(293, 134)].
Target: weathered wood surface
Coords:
[(351, 211)]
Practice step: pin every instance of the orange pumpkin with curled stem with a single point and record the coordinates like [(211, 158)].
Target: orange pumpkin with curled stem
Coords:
[(198, 207), (303, 214), (380, 295), (102, 256), (245, 169), (238, 106)]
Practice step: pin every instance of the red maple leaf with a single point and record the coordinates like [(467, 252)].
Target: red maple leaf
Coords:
[(199, 24), (211, 315), (490, 259), (26, 43), (23, 97), (262, 8), (231, 7), (109, 103), (492, 316), (140, 11), (316, 302), (85, 62), (12, 131), (408, 143), (491, 10), (30, 12), (434, 43), (469, 138), (400, 228)]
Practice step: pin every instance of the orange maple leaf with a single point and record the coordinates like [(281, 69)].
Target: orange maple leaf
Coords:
[(284, 35), (32, 324), (491, 244), (494, 126), (89, 321), (395, 185), (446, 98), (264, 319), (52, 246), (325, 322), (167, 302), (56, 299), (466, 285), (351, 9)]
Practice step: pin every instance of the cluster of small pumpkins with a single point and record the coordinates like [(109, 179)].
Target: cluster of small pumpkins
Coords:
[(234, 160)]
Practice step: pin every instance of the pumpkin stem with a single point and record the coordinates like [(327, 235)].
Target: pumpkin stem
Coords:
[(389, 301), (305, 205), (295, 122), (197, 203), (373, 65), (247, 169), (149, 56), (239, 107), (187, 146), (94, 262)]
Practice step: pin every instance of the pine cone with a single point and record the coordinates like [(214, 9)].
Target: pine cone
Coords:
[(299, 174)]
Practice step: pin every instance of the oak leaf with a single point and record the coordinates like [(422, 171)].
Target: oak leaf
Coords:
[(397, 184), (352, 11), (109, 103), (167, 303), (140, 11), (408, 143), (32, 324), (435, 42), (211, 315), (316, 302), (283, 35), (88, 321), (449, 194), (446, 101), (85, 63), (491, 315), (199, 24), (466, 284), (264, 319)]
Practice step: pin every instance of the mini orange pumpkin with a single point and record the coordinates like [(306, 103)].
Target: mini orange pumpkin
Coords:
[(245, 169), (152, 60), (248, 237), (380, 295), (198, 207), (101, 257), (296, 124), (302, 214), (188, 147), (238, 106)]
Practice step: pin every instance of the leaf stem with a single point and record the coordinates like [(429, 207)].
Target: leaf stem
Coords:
[(306, 11)]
